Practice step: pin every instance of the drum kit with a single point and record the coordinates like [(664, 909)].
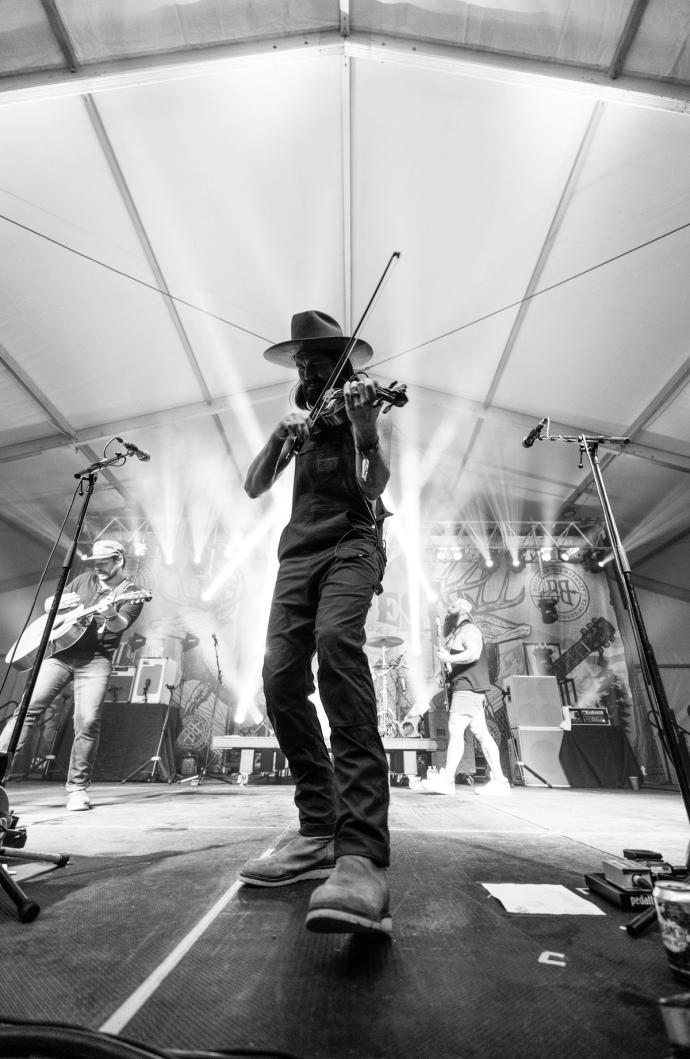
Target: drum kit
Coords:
[(388, 684)]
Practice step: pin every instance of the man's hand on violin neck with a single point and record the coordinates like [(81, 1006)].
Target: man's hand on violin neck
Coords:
[(362, 410)]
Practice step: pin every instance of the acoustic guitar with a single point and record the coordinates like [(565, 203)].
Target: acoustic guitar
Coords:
[(68, 628)]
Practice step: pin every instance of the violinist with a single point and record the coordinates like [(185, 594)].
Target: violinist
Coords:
[(332, 560)]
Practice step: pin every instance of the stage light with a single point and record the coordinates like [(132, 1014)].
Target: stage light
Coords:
[(570, 555), (139, 548), (442, 555), (548, 607), (594, 561), (488, 562), (546, 554), (456, 554), (517, 562)]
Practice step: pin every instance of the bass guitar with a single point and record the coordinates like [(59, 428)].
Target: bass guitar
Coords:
[(68, 628), (444, 676)]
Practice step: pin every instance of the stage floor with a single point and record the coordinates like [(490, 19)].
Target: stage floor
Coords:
[(146, 933)]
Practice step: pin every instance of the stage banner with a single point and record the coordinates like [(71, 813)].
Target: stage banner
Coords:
[(554, 619)]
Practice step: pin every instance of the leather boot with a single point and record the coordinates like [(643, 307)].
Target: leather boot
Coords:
[(301, 857), (353, 901)]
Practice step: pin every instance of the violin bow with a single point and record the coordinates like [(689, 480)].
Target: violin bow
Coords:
[(340, 363), (320, 403)]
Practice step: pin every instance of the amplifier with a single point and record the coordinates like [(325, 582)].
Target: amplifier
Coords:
[(594, 715), (120, 684), (153, 675)]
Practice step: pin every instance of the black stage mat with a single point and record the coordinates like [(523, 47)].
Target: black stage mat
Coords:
[(460, 977)]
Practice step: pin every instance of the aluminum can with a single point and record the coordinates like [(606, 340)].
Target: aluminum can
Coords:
[(672, 901)]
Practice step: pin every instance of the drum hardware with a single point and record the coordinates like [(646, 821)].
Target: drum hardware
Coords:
[(386, 641), (386, 720)]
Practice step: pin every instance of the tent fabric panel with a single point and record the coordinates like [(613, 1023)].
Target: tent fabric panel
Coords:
[(463, 177), (103, 30), (269, 192), (585, 33), (661, 47), (26, 39)]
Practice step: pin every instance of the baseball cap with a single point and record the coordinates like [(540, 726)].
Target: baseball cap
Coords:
[(105, 549)]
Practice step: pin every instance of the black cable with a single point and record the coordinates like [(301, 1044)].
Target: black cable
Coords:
[(534, 294), (60, 1040), (55, 1040), (126, 275)]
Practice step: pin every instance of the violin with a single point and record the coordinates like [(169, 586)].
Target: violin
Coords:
[(330, 411), (332, 405)]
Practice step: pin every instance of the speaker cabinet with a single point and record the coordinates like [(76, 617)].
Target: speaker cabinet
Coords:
[(120, 684), (533, 701), (538, 749), (153, 674)]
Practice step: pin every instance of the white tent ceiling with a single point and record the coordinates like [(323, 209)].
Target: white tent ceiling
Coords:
[(177, 179)]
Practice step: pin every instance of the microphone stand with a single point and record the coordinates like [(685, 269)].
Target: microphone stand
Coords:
[(675, 747), (156, 759), (11, 837)]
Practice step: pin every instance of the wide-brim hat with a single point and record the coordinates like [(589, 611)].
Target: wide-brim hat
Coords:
[(105, 549), (314, 331)]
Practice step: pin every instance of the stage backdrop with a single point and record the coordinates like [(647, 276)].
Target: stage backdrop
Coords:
[(558, 619)]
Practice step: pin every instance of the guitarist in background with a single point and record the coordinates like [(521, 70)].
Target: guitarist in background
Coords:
[(467, 669), (85, 655)]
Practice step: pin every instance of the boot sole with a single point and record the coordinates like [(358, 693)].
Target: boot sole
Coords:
[(314, 873), (337, 921)]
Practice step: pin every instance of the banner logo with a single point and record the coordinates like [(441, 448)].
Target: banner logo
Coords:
[(561, 583)]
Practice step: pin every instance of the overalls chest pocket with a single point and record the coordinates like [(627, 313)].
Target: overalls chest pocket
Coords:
[(322, 463)]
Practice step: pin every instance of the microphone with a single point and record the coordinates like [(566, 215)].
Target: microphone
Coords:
[(134, 450), (535, 432), (214, 638)]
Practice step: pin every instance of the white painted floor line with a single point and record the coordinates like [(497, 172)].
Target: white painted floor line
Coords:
[(536, 830), (126, 1012)]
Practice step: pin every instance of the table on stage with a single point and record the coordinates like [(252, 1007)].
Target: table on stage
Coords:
[(594, 755), (405, 750)]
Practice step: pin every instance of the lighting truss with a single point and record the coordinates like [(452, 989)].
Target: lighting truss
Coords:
[(531, 542)]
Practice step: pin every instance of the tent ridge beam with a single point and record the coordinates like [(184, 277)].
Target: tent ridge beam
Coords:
[(302, 47), (178, 413), (147, 420)]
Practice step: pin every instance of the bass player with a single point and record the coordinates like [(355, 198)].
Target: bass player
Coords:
[(84, 654), (464, 660)]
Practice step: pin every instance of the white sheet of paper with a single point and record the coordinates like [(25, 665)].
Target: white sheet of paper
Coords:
[(541, 899)]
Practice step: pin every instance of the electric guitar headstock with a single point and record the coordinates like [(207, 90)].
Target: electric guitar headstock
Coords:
[(598, 634)]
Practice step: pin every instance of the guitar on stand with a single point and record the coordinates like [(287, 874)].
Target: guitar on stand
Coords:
[(388, 723)]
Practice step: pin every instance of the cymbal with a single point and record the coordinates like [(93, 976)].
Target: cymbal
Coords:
[(385, 641)]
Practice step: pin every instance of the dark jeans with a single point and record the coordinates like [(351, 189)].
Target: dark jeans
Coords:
[(320, 603)]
